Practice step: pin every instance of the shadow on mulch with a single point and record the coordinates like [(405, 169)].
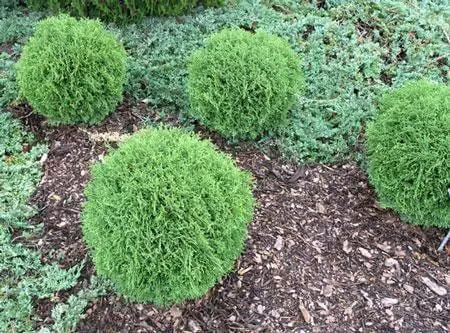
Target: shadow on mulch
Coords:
[(321, 255)]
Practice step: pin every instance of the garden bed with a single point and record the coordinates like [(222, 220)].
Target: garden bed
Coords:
[(321, 255)]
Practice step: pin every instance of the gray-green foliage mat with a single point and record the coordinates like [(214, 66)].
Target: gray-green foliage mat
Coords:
[(352, 51), (22, 275)]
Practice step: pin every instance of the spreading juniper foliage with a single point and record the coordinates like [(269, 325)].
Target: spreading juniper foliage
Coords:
[(15, 25), (72, 71), (166, 215), (8, 87), (408, 146), (243, 84), (19, 172), (351, 51), (9, 4), (23, 277), (11, 135)]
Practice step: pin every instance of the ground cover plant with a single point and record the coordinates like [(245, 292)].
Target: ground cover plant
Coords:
[(19, 171), (242, 84), (166, 216), (408, 147), (24, 278), (72, 71), (8, 87), (15, 25), (22, 275), (351, 53)]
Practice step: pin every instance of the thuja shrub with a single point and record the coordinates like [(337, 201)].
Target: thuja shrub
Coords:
[(242, 84), (166, 215), (72, 71), (126, 10), (408, 146)]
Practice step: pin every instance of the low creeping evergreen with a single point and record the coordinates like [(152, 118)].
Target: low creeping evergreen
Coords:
[(72, 71), (408, 146), (243, 85), (23, 277)]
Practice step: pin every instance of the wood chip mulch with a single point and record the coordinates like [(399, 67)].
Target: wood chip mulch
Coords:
[(321, 255)]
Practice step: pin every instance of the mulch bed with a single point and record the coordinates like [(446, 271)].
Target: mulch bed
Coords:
[(321, 255)]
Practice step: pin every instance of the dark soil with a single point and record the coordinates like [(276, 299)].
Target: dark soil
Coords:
[(321, 255), (5, 47)]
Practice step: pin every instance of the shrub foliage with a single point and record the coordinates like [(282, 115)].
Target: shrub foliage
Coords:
[(408, 146), (351, 53), (166, 215), (72, 71), (23, 277), (113, 10), (243, 84)]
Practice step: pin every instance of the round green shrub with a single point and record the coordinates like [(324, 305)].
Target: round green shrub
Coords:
[(166, 216), (72, 71), (408, 146), (242, 84)]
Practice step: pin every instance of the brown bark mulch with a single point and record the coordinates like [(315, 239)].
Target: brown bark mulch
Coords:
[(321, 255)]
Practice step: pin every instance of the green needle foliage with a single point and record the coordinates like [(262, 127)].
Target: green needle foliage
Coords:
[(23, 277), (166, 216), (67, 315), (16, 26), (113, 10), (408, 146), (125, 10), (11, 135), (243, 84), (72, 71)]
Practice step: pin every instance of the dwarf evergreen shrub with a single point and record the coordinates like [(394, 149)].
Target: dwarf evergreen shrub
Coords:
[(166, 215), (72, 71), (408, 147), (243, 84), (126, 10)]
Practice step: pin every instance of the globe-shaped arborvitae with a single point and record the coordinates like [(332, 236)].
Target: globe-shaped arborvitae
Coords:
[(166, 215), (243, 85), (72, 71), (408, 146)]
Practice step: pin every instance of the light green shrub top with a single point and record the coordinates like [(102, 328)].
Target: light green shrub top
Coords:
[(408, 146), (243, 84), (166, 215), (122, 10)]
